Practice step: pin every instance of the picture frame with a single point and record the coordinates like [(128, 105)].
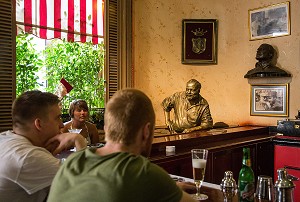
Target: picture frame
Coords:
[(269, 100), (270, 21), (199, 41)]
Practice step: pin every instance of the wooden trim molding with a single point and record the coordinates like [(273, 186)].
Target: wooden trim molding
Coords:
[(118, 43), (7, 62)]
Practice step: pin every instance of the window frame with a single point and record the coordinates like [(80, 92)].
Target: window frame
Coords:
[(7, 62), (118, 42)]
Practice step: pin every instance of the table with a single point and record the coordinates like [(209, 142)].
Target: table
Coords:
[(213, 191)]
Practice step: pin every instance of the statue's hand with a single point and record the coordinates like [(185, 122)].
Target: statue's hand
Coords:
[(170, 126), (188, 130)]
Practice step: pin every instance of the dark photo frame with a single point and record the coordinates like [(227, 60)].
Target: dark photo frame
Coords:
[(270, 21), (199, 41)]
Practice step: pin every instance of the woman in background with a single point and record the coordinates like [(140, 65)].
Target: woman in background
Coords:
[(79, 113)]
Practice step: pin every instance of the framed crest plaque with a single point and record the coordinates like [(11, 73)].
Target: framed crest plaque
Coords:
[(199, 41)]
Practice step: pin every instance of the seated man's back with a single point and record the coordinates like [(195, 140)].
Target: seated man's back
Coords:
[(119, 176)]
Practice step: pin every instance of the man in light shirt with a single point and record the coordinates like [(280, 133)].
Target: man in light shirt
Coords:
[(28, 163)]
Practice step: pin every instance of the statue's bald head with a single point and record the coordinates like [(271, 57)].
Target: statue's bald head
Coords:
[(196, 83), (265, 51)]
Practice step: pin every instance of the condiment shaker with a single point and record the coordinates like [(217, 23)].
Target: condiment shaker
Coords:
[(228, 186), (284, 187)]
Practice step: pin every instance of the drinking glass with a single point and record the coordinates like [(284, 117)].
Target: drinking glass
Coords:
[(265, 188), (74, 130), (199, 158)]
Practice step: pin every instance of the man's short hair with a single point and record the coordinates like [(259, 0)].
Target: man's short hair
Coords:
[(126, 112), (77, 104), (32, 104)]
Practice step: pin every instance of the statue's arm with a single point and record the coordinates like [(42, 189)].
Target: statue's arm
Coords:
[(168, 106), (169, 122)]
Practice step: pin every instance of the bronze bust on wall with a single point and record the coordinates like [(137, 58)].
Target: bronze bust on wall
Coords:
[(265, 67), (191, 110)]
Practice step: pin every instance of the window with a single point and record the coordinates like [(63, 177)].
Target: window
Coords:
[(78, 57), (118, 65)]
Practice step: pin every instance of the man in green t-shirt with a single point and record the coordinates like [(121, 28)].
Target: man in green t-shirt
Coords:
[(119, 171)]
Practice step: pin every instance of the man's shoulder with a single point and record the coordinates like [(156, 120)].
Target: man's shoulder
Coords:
[(179, 95), (203, 101), (8, 137), (120, 170), (20, 148)]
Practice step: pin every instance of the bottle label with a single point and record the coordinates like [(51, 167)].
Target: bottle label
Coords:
[(247, 190)]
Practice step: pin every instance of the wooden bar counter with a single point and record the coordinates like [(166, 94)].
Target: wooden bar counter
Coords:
[(225, 151)]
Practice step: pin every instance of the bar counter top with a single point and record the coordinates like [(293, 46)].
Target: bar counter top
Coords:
[(209, 139), (225, 151)]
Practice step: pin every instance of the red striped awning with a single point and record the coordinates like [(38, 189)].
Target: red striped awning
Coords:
[(73, 20)]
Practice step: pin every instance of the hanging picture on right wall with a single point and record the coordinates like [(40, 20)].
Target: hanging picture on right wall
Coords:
[(269, 100), (270, 21)]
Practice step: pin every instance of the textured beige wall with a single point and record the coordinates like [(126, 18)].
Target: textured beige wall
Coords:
[(157, 27)]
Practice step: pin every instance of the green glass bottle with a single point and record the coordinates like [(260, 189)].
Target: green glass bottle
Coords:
[(246, 179)]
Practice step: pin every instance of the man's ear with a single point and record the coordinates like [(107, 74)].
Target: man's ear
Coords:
[(147, 131), (38, 124)]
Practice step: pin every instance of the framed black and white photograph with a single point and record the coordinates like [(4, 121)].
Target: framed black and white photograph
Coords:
[(199, 41), (270, 21), (269, 100)]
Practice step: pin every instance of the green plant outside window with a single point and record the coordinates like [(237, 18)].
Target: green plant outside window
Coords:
[(81, 64)]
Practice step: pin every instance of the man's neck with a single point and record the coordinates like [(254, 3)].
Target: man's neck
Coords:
[(29, 135), (195, 101), (112, 147), (264, 64)]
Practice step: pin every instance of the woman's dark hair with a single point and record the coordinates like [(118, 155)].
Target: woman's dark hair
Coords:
[(77, 104)]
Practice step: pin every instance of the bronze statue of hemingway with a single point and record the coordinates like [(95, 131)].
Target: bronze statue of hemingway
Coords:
[(264, 67), (191, 110)]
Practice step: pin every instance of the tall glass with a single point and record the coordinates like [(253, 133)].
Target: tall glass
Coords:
[(199, 158)]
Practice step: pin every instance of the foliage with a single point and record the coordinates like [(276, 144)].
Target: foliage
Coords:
[(28, 63), (81, 65)]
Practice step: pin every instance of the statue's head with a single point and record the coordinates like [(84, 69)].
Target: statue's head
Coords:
[(265, 52), (192, 89)]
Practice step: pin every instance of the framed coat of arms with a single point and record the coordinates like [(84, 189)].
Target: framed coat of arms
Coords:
[(199, 41)]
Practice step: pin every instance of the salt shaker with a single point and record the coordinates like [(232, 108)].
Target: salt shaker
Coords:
[(228, 186)]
